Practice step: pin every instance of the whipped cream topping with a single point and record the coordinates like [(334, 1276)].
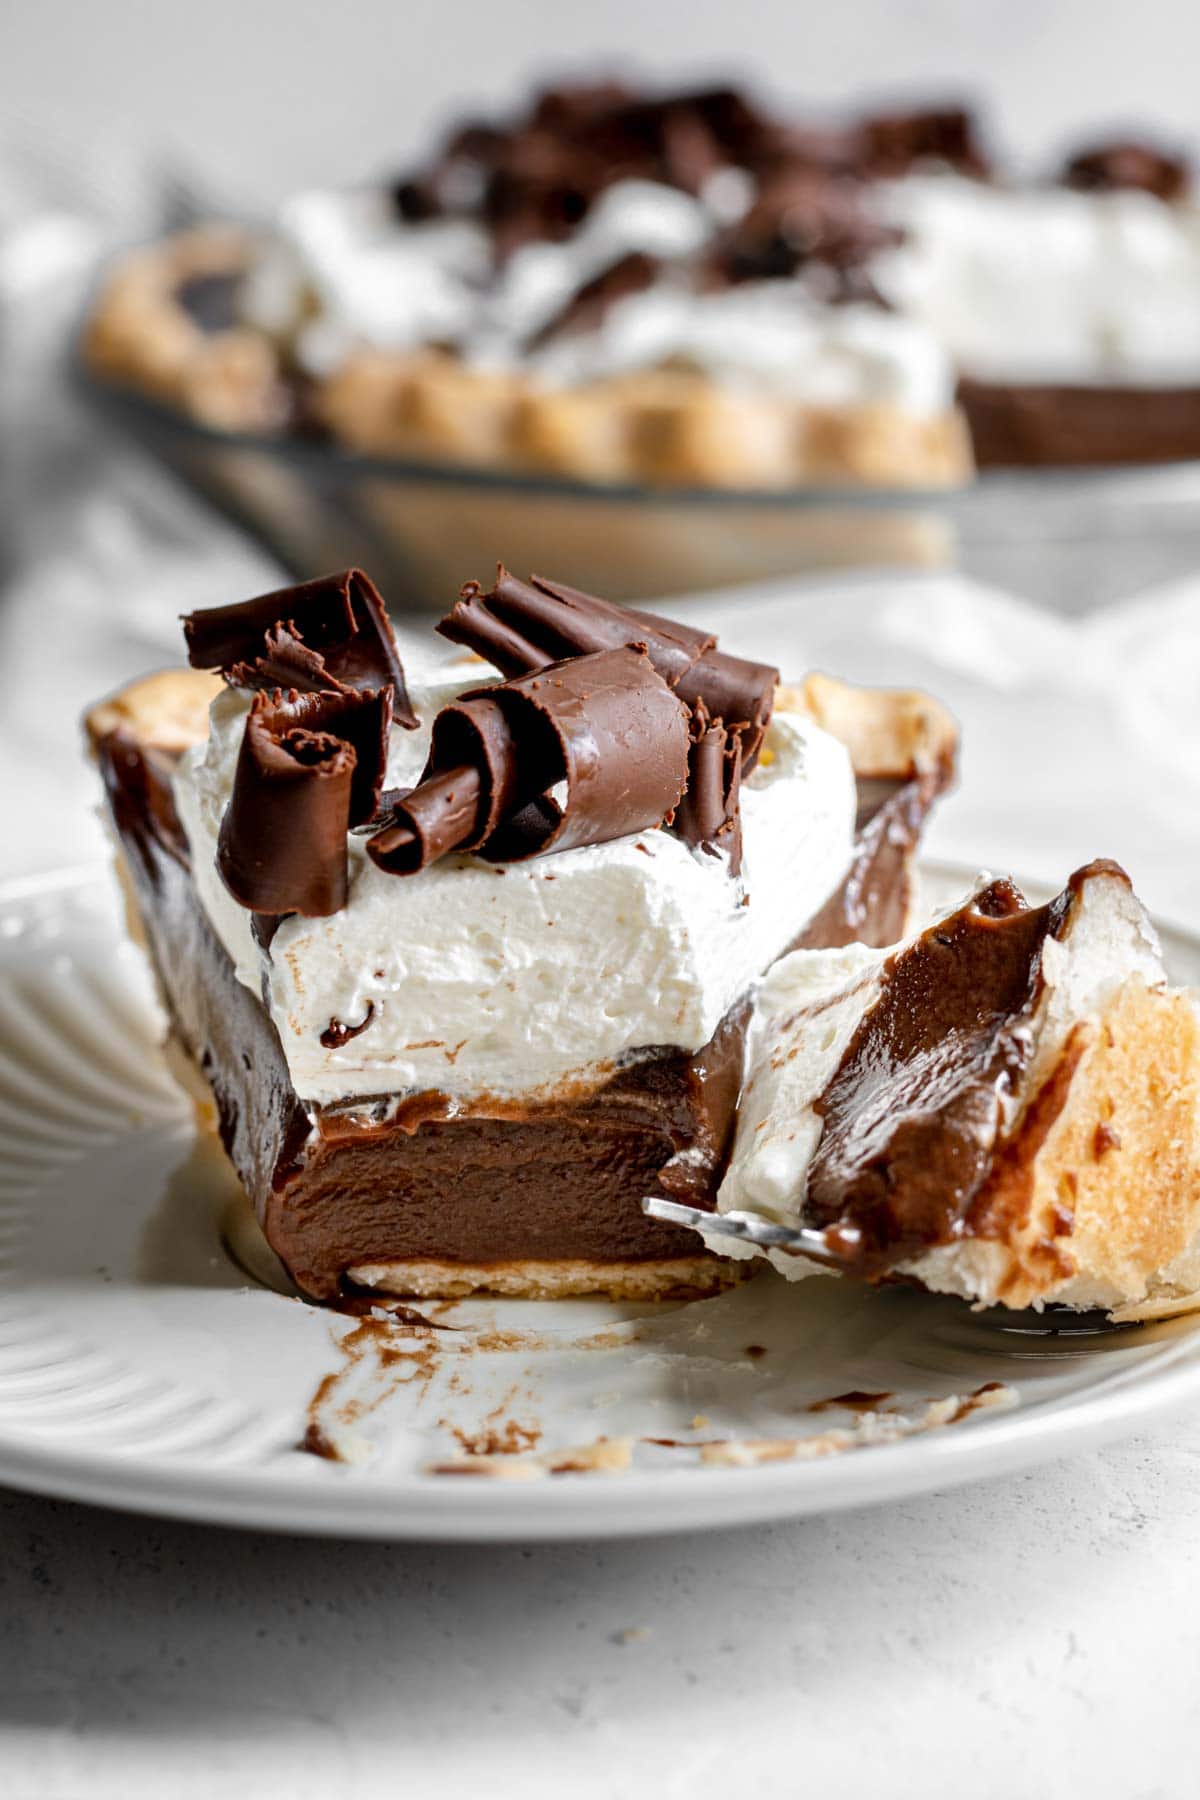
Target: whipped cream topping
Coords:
[(512, 980), (342, 271), (338, 272), (766, 335), (1049, 284)]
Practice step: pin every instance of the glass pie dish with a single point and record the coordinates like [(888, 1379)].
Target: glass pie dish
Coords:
[(1072, 539)]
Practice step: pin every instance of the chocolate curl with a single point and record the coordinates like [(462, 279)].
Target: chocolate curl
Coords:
[(893, 143), (739, 693), (709, 815), (523, 625), (329, 634), (468, 785), (801, 217), (439, 816), (611, 727), (360, 718), (282, 846), (631, 274), (1128, 165), (606, 725)]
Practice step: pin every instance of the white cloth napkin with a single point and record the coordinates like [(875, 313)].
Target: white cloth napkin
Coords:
[(1081, 737)]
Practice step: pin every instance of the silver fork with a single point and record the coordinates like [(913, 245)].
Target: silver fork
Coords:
[(748, 1228)]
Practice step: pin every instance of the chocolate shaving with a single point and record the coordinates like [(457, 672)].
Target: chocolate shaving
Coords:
[(282, 845), (587, 307), (1105, 167), (739, 693), (893, 143), (709, 815), (523, 625), (468, 785), (538, 177), (805, 218), (310, 767), (336, 1035), (361, 718), (605, 724), (329, 634)]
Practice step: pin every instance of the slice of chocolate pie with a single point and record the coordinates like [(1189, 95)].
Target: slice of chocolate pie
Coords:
[(467, 960), (1007, 1107)]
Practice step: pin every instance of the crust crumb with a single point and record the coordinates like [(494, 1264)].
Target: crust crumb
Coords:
[(604, 1456), (870, 1428)]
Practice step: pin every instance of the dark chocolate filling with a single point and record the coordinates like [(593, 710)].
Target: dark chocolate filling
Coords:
[(914, 1111), (1016, 425)]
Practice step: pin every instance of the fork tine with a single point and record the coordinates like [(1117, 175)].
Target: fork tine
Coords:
[(747, 1228)]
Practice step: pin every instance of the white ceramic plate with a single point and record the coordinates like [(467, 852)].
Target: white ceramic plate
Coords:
[(143, 1365)]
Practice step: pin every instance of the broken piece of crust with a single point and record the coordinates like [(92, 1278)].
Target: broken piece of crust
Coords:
[(888, 732), (1006, 1108), (1096, 1199), (166, 711)]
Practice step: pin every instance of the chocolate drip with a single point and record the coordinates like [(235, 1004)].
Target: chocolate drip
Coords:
[(605, 724), (914, 1109), (332, 633), (1127, 164), (337, 1034), (282, 846)]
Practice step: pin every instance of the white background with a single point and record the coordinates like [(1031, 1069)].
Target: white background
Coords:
[(271, 93), (1037, 1635)]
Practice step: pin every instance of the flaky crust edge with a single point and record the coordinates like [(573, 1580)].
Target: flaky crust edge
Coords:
[(1095, 1200)]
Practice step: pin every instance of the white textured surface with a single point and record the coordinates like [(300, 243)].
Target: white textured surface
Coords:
[(1049, 1618)]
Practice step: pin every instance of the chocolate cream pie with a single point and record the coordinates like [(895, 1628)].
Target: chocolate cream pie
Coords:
[(465, 954), (685, 289), (1006, 1107)]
